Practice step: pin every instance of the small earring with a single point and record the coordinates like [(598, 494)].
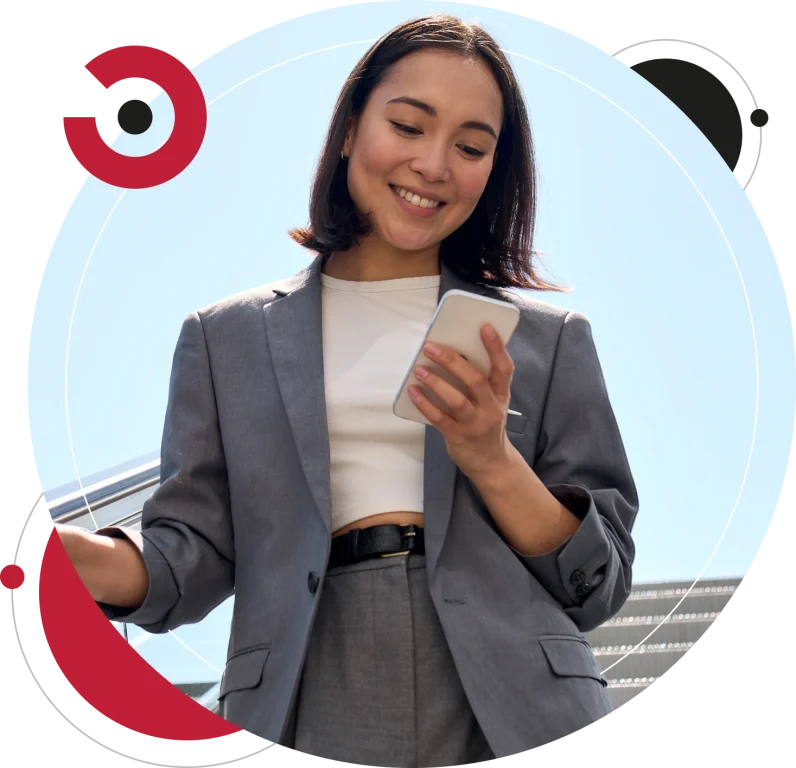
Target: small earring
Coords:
[(342, 156)]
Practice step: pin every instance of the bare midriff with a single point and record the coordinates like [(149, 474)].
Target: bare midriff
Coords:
[(383, 518)]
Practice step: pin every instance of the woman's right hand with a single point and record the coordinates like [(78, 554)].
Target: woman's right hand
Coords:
[(112, 570)]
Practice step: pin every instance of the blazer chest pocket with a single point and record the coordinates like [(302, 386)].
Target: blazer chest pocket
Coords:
[(571, 657), (244, 670), (515, 422)]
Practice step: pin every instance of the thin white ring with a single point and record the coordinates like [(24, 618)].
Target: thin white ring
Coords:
[(751, 322), (66, 362), (102, 229), (144, 638), (625, 112)]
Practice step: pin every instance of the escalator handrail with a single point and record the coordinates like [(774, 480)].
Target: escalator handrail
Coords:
[(72, 506)]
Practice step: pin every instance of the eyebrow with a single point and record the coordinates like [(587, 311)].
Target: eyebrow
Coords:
[(429, 110)]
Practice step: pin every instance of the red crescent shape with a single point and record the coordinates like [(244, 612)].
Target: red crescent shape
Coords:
[(104, 669), (190, 120)]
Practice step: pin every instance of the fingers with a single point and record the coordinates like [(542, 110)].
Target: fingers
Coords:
[(435, 415), (476, 383), (502, 365), (482, 390)]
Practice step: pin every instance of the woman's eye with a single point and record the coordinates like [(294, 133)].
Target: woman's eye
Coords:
[(473, 152), (405, 128)]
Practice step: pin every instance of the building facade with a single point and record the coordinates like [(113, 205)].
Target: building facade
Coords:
[(657, 625)]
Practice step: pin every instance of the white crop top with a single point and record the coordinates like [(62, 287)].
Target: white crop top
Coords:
[(371, 331)]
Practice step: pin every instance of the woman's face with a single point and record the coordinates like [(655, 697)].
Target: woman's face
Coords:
[(430, 127)]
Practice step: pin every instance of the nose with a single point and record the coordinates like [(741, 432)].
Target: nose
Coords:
[(431, 162)]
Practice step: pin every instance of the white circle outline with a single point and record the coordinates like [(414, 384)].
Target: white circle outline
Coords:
[(751, 322), (626, 113)]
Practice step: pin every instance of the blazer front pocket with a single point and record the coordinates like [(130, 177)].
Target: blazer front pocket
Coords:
[(244, 669), (569, 656), (515, 422)]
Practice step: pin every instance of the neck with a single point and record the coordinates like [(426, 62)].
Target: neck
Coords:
[(371, 264)]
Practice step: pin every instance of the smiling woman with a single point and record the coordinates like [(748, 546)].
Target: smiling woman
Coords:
[(427, 129), (406, 594), (432, 112)]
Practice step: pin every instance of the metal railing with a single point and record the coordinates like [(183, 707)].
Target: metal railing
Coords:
[(118, 500), (210, 699)]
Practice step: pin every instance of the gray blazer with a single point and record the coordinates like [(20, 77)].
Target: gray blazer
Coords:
[(244, 507)]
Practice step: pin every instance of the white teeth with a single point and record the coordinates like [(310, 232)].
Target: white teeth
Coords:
[(421, 202)]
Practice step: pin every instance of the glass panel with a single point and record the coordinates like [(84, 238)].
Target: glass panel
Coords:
[(191, 657)]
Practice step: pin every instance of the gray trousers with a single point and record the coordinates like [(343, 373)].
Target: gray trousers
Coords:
[(379, 685)]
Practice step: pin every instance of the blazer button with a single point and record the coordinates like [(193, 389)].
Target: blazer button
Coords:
[(583, 589), (577, 577), (312, 582)]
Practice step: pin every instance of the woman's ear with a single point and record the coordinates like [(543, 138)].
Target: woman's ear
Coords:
[(351, 129)]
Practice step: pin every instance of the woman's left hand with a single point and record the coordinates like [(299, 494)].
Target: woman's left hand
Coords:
[(475, 433)]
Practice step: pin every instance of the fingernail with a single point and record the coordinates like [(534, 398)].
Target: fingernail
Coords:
[(490, 332), (432, 349)]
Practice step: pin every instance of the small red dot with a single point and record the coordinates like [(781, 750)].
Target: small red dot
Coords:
[(12, 577)]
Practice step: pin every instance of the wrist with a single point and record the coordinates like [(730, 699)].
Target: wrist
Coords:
[(497, 475)]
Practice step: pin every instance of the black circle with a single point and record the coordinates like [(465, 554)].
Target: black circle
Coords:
[(134, 117), (759, 117)]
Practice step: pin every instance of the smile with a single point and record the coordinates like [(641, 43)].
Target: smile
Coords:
[(416, 209)]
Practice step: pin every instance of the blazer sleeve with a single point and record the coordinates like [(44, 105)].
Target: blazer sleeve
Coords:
[(186, 535), (581, 460)]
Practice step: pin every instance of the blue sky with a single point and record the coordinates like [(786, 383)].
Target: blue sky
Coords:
[(618, 219)]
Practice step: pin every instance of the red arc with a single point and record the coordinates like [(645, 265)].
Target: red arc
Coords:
[(107, 672), (190, 120)]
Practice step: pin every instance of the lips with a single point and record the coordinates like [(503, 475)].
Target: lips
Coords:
[(415, 198), (415, 210)]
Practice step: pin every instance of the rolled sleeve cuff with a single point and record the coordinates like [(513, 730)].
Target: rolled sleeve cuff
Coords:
[(577, 565), (162, 594)]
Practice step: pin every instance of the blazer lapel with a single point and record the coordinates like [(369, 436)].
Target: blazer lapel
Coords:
[(295, 340), (439, 470)]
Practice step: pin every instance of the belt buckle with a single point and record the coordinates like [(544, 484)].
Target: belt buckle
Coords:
[(404, 552)]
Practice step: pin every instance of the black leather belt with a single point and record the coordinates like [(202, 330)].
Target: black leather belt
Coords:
[(376, 541)]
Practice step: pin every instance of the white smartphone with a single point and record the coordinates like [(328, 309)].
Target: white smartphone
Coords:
[(456, 323)]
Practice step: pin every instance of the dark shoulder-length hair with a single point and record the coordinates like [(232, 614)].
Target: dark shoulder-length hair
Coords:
[(494, 246)]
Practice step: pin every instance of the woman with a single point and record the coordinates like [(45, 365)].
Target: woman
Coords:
[(404, 594)]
